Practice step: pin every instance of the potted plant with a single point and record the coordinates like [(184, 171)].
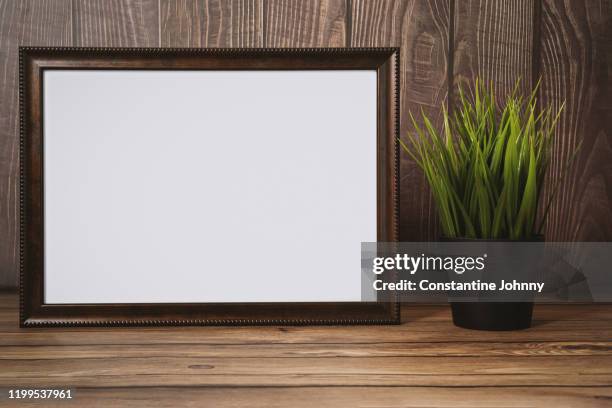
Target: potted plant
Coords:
[(485, 169)]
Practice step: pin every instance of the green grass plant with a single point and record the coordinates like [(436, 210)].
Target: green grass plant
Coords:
[(487, 164)]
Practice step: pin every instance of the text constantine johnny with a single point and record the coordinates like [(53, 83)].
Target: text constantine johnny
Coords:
[(477, 285)]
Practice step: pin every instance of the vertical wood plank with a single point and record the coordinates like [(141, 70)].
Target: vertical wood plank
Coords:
[(421, 30), (294, 23), (211, 23), (576, 61), (116, 23), (493, 40), (26, 22)]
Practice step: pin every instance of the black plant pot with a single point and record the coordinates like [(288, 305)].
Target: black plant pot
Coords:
[(492, 315)]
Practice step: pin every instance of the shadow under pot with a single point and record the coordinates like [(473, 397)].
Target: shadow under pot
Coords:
[(492, 315)]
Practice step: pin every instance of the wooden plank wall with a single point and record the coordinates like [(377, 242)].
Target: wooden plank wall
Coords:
[(443, 43), (576, 68)]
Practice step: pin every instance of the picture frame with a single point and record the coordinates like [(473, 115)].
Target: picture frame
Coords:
[(37, 192)]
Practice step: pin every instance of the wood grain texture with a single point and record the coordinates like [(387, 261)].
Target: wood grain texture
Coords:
[(116, 23), (494, 41), (566, 358), (294, 23), (28, 22), (576, 56), (421, 30), (312, 350), (211, 23), (311, 371), (425, 332), (329, 397)]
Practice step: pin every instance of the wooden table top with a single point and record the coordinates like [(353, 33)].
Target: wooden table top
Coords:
[(564, 360)]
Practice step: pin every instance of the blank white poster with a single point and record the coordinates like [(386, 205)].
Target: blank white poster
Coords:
[(207, 186)]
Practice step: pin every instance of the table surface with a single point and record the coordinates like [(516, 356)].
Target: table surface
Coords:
[(565, 359)]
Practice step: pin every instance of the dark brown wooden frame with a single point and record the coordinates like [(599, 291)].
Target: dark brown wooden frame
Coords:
[(34, 60)]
